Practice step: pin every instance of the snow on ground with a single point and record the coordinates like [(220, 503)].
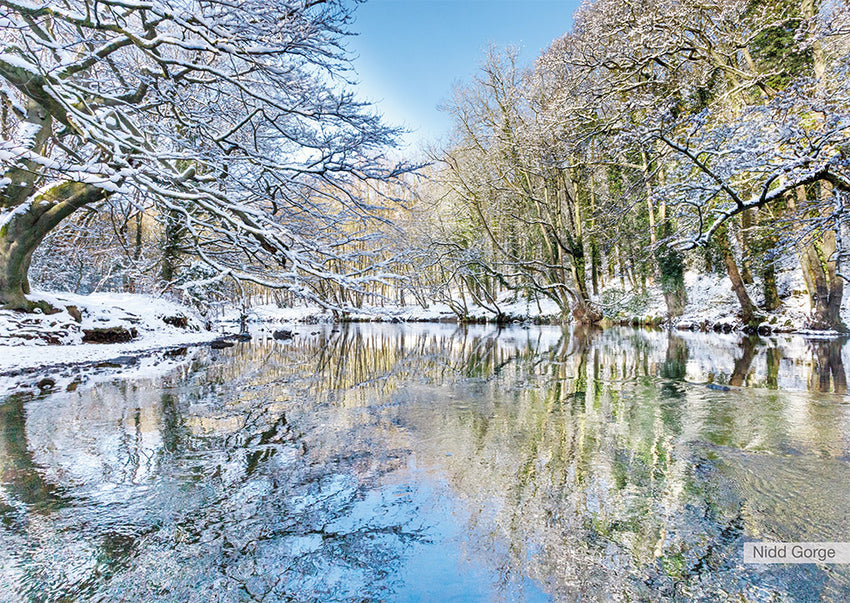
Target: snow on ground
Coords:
[(508, 303), (25, 339), (157, 324), (711, 301), (67, 373), (435, 312), (274, 315)]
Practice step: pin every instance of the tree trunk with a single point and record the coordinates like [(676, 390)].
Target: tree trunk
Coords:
[(620, 264), (671, 272), (171, 248), (836, 283), (582, 310), (584, 313), (771, 291), (748, 309), (826, 288), (763, 244), (16, 249), (746, 226), (595, 276), (24, 229), (137, 252)]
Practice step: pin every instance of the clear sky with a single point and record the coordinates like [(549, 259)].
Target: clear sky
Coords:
[(410, 53)]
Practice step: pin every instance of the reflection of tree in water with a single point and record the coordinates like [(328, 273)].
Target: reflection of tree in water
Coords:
[(742, 364), (829, 372), (232, 509), (601, 488), (235, 496), (279, 529), (18, 473), (825, 364), (572, 483), (586, 459), (675, 358), (362, 355)]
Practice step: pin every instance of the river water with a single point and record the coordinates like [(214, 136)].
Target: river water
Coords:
[(434, 463)]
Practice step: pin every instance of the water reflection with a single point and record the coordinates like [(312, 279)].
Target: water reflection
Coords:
[(426, 462)]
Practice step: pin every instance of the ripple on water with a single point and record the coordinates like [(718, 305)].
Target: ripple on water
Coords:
[(410, 462)]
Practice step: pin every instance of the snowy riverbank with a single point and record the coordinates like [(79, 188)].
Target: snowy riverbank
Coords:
[(102, 327), (712, 305)]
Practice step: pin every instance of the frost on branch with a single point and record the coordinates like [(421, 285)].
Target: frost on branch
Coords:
[(231, 118)]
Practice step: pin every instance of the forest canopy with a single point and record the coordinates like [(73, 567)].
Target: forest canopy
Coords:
[(654, 136), (228, 128)]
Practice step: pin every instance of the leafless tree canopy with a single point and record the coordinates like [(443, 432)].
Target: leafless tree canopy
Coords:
[(233, 118)]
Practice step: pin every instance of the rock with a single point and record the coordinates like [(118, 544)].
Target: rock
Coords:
[(75, 313), (117, 362), (220, 344), (243, 336), (282, 334), (109, 335), (178, 321), (46, 384), (51, 338)]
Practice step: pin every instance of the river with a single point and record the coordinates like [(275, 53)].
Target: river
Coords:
[(432, 462)]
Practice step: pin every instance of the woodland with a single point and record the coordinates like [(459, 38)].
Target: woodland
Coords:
[(217, 153), (170, 169)]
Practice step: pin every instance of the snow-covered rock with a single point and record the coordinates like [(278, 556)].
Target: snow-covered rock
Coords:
[(29, 340)]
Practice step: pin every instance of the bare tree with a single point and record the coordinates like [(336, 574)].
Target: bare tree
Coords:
[(740, 126), (232, 118), (518, 184)]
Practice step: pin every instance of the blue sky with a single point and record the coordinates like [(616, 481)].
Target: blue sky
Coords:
[(410, 53)]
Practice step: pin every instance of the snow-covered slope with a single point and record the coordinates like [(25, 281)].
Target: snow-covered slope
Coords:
[(32, 340)]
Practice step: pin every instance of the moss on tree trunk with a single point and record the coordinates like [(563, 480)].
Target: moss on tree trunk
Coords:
[(25, 228)]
